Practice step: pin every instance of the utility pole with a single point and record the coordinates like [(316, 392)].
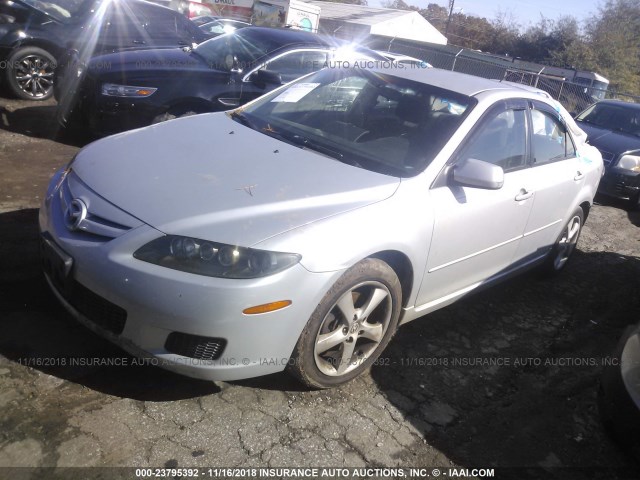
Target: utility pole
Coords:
[(451, 4)]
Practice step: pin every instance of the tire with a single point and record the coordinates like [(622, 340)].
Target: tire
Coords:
[(634, 203), (29, 73), (565, 244), (350, 327)]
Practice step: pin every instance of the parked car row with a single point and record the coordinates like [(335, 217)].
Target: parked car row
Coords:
[(35, 36), (342, 149)]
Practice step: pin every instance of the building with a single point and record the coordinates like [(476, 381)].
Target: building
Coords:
[(356, 22)]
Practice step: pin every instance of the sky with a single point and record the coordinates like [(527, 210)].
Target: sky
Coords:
[(525, 12)]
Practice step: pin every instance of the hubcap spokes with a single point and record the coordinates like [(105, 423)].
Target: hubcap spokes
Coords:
[(567, 242), (353, 328), (34, 76)]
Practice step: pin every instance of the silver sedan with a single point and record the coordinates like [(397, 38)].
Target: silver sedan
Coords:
[(299, 231)]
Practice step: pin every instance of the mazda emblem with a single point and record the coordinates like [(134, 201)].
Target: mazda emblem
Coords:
[(75, 214)]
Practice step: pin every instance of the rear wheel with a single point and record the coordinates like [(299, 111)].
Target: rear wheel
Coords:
[(29, 73), (565, 244), (351, 326)]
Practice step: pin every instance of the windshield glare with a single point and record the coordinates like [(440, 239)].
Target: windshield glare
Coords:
[(619, 118), (375, 121), (219, 52), (62, 10)]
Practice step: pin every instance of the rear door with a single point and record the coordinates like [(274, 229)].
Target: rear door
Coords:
[(556, 179)]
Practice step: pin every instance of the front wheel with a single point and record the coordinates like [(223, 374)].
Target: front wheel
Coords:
[(350, 327), (565, 244), (29, 73)]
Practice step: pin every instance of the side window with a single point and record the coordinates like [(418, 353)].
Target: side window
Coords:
[(119, 29), (501, 141), (295, 64), (550, 140)]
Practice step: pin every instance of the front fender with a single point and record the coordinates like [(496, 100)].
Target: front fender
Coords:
[(16, 39)]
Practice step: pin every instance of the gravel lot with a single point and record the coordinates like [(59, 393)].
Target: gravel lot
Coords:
[(505, 378)]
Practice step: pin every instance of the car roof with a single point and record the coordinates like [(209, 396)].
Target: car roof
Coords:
[(288, 38), (285, 36), (620, 103), (463, 83)]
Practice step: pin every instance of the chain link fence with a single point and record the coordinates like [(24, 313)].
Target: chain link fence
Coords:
[(573, 96)]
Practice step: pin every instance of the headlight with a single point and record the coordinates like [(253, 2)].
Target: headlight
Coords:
[(213, 259), (630, 162), (114, 90)]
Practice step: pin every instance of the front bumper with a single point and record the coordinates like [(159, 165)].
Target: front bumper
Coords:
[(80, 104), (154, 312), (620, 183)]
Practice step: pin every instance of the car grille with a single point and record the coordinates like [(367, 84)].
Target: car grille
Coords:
[(93, 224), (194, 346), (98, 310)]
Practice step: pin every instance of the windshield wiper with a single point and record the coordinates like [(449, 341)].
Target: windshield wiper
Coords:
[(240, 117), (306, 143)]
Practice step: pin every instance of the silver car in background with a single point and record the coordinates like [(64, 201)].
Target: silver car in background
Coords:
[(300, 230)]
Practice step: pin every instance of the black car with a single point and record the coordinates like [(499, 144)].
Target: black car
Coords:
[(221, 26), (613, 127), (136, 88), (34, 35)]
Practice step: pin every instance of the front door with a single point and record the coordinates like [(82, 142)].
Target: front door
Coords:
[(477, 231)]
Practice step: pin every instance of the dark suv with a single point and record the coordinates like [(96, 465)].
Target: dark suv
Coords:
[(34, 35)]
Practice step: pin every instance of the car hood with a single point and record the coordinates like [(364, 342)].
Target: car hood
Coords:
[(155, 59), (609, 141), (209, 177)]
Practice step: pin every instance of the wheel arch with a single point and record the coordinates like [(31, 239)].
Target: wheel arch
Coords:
[(402, 267), (51, 47), (586, 207)]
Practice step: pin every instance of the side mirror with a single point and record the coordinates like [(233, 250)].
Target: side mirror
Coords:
[(263, 77), (478, 174)]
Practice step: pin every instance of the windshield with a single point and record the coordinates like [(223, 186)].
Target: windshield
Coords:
[(619, 118), (247, 48), (371, 120), (62, 10)]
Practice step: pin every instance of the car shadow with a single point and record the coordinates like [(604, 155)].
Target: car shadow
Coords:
[(634, 215), (36, 331), (508, 377), (40, 121)]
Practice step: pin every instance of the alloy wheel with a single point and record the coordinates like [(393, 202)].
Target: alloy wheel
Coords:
[(34, 75), (353, 329), (567, 242)]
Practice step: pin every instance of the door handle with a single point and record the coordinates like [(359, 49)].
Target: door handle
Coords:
[(579, 176), (523, 195)]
